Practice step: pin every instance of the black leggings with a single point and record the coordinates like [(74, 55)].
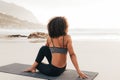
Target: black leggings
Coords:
[(47, 69)]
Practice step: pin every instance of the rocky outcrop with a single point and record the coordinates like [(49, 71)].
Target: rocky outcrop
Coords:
[(17, 35), (38, 35)]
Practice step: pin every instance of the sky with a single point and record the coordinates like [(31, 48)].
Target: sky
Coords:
[(79, 13)]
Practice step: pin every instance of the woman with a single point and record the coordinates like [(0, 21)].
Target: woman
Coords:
[(57, 45)]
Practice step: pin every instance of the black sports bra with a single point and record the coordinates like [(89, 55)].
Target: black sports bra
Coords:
[(58, 49)]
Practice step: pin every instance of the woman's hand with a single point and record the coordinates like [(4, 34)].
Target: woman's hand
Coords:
[(82, 75), (33, 70)]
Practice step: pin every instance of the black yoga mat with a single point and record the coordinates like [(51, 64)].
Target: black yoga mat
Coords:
[(69, 74)]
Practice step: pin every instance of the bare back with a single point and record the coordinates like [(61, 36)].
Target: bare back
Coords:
[(58, 60)]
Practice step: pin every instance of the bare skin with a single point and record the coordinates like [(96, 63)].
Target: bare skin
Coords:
[(56, 58)]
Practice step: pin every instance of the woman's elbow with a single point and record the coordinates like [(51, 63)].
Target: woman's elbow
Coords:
[(72, 55)]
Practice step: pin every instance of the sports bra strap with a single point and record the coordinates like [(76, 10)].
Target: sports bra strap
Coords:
[(63, 41)]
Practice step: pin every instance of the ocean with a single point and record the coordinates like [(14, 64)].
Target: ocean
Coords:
[(76, 34)]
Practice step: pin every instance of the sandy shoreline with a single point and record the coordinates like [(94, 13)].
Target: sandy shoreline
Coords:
[(93, 55)]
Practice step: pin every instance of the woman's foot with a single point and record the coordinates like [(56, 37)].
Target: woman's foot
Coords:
[(33, 70)]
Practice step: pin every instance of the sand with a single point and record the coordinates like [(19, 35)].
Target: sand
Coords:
[(101, 56)]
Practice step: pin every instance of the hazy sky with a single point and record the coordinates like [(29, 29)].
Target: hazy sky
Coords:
[(80, 13)]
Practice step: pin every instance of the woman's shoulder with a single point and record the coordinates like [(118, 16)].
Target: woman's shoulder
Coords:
[(67, 37), (48, 38)]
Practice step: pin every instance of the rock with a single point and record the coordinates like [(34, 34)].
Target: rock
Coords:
[(38, 35), (17, 35)]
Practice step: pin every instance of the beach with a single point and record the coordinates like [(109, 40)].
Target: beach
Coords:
[(94, 27), (100, 56)]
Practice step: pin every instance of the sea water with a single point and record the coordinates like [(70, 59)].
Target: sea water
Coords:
[(76, 34), (95, 34)]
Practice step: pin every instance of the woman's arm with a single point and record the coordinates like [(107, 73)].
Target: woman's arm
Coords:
[(74, 58), (47, 44)]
